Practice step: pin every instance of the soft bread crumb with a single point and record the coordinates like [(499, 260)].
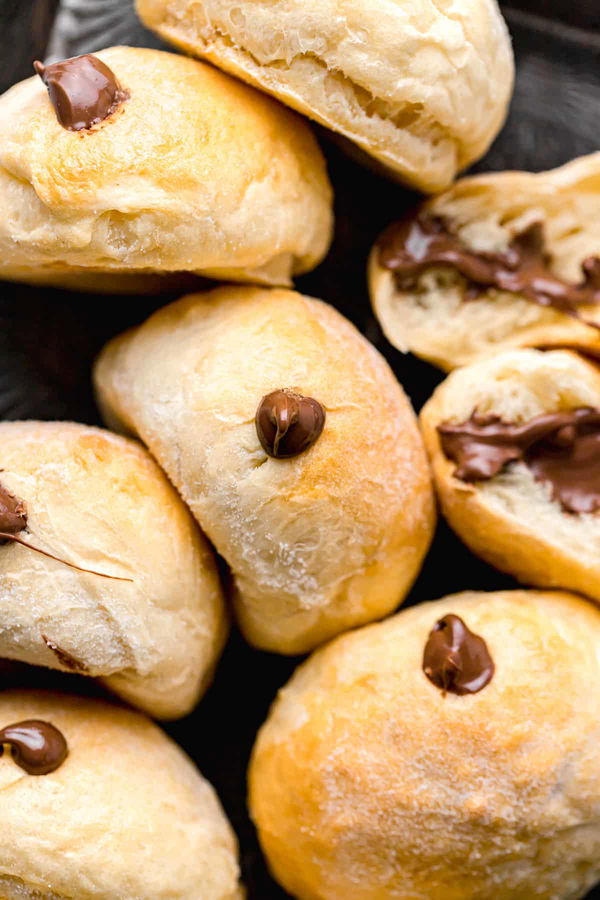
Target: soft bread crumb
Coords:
[(511, 520), (488, 211)]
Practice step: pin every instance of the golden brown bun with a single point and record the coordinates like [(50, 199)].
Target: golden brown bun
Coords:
[(367, 783), (319, 543), (487, 211), (99, 501), (195, 172), (421, 88), (127, 815), (511, 520)]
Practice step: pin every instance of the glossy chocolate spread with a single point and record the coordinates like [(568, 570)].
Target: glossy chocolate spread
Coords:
[(410, 247), (287, 423), (561, 449), (82, 90), (456, 659), (37, 747)]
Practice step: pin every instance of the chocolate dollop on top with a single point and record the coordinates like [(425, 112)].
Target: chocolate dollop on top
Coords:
[(410, 247), (561, 449), (287, 423), (455, 659), (37, 747), (83, 90), (13, 516)]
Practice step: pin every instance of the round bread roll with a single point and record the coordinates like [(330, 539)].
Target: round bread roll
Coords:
[(451, 320), (147, 620), (190, 171), (421, 89), (125, 815), (541, 525), (326, 538), (368, 781)]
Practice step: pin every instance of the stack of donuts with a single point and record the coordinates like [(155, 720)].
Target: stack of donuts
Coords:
[(261, 464)]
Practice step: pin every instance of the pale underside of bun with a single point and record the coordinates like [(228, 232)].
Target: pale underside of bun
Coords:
[(511, 520), (437, 323), (16, 889), (388, 78), (194, 174)]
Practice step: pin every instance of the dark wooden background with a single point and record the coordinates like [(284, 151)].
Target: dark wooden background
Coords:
[(48, 339)]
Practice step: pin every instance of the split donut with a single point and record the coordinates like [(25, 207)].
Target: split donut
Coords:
[(514, 443), (498, 261)]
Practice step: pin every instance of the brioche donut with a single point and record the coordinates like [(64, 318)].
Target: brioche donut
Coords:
[(295, 448), (514, 442), (172, 167), (124, 815), (498, 261), (420, 88), (130, 594), (370, 781)]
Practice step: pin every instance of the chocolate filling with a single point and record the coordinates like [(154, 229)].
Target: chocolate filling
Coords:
[(412, 246), (65, 659), (37, 747), (83, 90), (287, 423), (13, 516), (455, 659), (13, 520), (561, 449)]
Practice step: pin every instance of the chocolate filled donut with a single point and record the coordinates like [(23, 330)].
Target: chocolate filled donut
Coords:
[(98, 803), (514, 443), (415, 88), (103, 572), (132, 170), (293, 445), (434, 754), (510, 259)]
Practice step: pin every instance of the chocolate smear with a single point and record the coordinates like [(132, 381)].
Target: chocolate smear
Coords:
[(13, 515), (287, 423), (415, 244), (13, 520), (64, 658), (455, 659), (561, 449), (83, 90), (37, 747)]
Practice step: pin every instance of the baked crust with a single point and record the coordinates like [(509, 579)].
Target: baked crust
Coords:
[(366, 782), (319, 543), (421, 88), (99, 501), (195, 172), (126, 815)]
